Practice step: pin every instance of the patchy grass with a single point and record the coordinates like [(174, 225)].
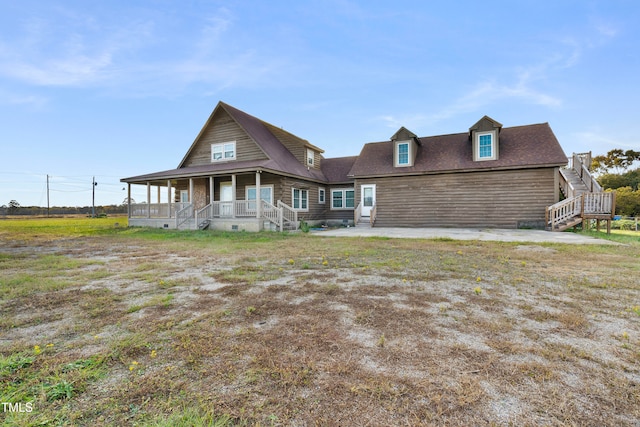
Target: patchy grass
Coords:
[(116, 326)]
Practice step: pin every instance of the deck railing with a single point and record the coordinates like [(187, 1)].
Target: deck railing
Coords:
[(587, 205)]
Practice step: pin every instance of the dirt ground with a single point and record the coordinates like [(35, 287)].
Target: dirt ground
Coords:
[(334, 331)]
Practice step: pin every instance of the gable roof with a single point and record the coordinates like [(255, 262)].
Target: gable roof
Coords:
[(280, 159), (520, 146)]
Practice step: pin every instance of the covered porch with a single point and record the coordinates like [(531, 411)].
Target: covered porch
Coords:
[(222, 202)]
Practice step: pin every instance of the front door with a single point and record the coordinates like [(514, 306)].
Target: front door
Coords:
[(226, 197), (367, 198)]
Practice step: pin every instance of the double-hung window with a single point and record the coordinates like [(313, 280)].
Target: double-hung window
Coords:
[(403, 153), (300, 199), (266, 194), (343, 198), (321, 196), (485, 146), (224, 151)]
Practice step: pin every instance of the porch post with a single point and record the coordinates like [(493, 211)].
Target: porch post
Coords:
[(148, 199), (211, 193), (158, 188), (258, 199), (233, 195), (169, 198), (191, 191), (129, 199)]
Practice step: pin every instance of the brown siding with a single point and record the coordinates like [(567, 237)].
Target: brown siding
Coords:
[(295, 145), (504, 199), (223, 128)]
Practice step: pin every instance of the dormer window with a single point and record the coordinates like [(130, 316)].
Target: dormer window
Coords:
[(403, 153), (223, 152), (486, 150), (310, 157), (405, 148), (484, 136)]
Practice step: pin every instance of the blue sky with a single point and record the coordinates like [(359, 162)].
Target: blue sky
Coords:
[(120, 88)]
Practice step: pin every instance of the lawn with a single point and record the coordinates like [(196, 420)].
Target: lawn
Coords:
[(105, 325)]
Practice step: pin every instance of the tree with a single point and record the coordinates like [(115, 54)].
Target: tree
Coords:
[(616, 160), (13, 207), (627, 202)]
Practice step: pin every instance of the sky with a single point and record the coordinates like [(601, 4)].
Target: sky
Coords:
[(115, 89)]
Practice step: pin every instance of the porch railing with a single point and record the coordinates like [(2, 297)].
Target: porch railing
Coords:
[(289, 215), (155, 210)]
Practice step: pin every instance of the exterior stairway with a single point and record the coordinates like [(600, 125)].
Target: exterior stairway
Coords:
[(584, 198)]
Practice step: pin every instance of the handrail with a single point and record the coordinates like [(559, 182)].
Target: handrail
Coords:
[(357, 213), (374, 213), (184, 214), (271, 213), (288, 214), (564, 210)]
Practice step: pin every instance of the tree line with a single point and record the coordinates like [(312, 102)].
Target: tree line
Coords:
[(616, 172), (14, 208)]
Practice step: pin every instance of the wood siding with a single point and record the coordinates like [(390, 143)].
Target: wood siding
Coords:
[(503, 199), (223, 128), (295, 145)]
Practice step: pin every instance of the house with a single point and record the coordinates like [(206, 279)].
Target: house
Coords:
[(242, 173)]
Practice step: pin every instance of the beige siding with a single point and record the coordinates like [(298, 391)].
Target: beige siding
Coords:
[(505, 199), (223, 128)]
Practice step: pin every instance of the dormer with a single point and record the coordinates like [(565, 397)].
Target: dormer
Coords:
[(405, 147), (485, 139)]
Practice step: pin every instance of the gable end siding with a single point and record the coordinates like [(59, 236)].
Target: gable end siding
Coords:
[(504, 199), (223, 129)]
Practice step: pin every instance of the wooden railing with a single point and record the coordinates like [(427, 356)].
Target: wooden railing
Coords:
[(563, 211), (155, 210), (357, 214), (581, 163), (288, 214), (588, 205), (184, 215), (374, 212)]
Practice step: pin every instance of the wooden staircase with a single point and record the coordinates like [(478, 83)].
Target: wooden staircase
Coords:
[(584, 198)]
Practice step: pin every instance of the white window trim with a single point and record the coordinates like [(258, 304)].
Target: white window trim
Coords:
[(493, 146), (222, 146), (322, 200), (344, 199), (310, 157), (396, 154), (300, 209)]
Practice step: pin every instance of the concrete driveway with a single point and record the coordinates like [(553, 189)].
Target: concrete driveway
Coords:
[(501, 235)]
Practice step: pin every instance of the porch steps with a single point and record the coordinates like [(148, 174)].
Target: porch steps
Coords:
[(572, 177), (363, 222), (572, 222)]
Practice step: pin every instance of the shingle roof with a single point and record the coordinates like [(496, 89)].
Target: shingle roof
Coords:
[(337, 169), (520, 146)]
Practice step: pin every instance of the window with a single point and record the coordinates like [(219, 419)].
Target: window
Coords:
[(224, 151), (486, 148), (403, 153), (321, 196), (343, 199), (266, 194), (300, 199), (310, 157)]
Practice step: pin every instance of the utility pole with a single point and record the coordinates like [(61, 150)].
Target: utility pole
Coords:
[(47, 195), (93, 198)]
